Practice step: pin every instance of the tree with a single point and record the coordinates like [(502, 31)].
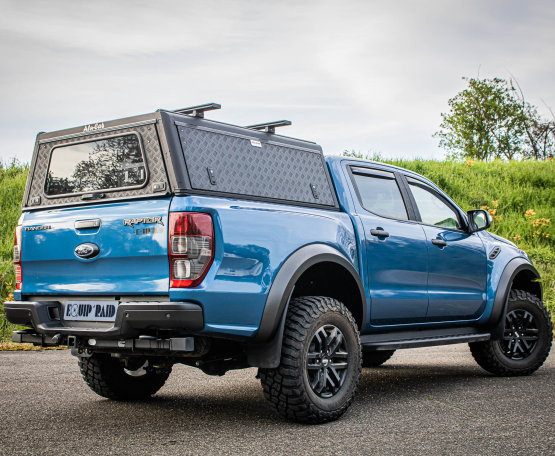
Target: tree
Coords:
[(540, 133), (491, 119)]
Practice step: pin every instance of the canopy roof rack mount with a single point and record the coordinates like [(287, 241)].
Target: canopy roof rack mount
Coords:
[(270, 127), (198, 111)]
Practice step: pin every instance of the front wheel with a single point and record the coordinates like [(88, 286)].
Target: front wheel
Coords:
[(320, 365), (526, 340)]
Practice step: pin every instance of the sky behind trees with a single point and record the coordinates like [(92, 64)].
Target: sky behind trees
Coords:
[(356, 75)]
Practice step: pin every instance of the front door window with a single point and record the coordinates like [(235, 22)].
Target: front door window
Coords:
[(433, 210)]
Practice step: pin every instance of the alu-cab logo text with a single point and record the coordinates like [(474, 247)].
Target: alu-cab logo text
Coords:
[(96, 126)]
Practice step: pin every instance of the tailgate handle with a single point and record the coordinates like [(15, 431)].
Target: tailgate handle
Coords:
[(87, 224)]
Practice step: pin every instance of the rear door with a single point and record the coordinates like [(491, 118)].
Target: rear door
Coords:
[(100, 244), (396, 250)]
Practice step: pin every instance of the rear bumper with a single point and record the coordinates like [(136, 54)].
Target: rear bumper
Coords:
[(132, 319)]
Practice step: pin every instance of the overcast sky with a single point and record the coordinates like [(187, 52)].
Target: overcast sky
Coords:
[(356, 75)]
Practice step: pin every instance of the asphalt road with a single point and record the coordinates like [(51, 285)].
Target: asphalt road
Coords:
[(433, 401)]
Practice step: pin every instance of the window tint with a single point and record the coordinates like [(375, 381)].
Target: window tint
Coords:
[(381, 195), (433, 211), (96, 165)]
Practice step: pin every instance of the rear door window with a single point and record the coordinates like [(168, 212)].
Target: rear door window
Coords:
[(379, 193), (104, 164)]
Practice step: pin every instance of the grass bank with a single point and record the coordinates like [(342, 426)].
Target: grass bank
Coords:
[(519, 195), (13, 176)]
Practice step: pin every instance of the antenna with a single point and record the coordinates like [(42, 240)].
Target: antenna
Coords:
[(198, 111), (270, 127)]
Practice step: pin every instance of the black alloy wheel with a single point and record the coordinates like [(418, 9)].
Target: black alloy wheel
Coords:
[(526, 342), (320, 366), (327, 361), (521, 335)]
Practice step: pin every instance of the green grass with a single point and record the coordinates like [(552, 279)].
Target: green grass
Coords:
[(517, 187), (12, 185)]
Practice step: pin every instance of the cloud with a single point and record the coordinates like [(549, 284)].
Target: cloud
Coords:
[(354, 75)]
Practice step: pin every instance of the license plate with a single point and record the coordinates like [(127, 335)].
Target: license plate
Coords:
[(91, 310)]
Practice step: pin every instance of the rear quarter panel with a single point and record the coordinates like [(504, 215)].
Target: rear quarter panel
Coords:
[(252, 241)]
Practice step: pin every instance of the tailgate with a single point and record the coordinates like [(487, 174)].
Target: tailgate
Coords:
[(107, 249)]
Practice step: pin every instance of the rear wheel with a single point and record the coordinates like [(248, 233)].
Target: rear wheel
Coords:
[(376, 358), (526, 341), (320, 365), (109, 377)]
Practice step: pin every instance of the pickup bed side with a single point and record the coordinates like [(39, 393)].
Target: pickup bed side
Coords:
[(253, 241)]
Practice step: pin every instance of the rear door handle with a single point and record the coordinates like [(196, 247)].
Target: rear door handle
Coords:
[(379, 233), (439, 241)]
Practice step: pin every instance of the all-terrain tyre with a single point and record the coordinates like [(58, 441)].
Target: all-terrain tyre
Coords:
[(527, 339), (376, 358), (320, 366), (109, 378)]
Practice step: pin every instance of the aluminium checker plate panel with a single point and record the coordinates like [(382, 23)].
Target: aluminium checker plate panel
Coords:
[(153, 155), (247, 166)]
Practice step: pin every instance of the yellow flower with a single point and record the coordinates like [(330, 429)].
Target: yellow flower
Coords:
[(469, 163), (485, 208), (495, 204), (530, 213), (540, 222)]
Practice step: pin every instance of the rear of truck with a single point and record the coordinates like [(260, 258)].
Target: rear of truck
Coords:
[(168, 238), (91, 248), (136, 235)]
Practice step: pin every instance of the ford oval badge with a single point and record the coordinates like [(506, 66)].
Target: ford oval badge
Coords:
[(87, 251)]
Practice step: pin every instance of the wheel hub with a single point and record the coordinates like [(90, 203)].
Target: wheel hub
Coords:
[(521, 335), (327, 361)]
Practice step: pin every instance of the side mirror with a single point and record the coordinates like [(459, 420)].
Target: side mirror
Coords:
[(478, 220)]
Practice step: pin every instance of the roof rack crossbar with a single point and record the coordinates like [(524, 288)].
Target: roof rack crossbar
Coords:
[(270, 127), (198, 111)]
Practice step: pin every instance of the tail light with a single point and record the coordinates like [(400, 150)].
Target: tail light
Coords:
[(17, 258), (191, 248)]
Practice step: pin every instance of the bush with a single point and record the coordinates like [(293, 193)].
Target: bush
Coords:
[(13, 176), (520, 196)]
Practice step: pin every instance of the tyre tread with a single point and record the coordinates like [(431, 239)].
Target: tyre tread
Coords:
[(103, 375), (283, 386), (487, 359)]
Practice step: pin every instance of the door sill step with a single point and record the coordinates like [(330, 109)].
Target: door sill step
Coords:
[(426, 338)]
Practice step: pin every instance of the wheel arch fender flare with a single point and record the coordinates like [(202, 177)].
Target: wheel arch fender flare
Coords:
[(287, 276), (265, 348), (496, 320)]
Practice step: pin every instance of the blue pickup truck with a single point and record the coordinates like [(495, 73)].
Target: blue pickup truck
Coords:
[(168, 238)]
